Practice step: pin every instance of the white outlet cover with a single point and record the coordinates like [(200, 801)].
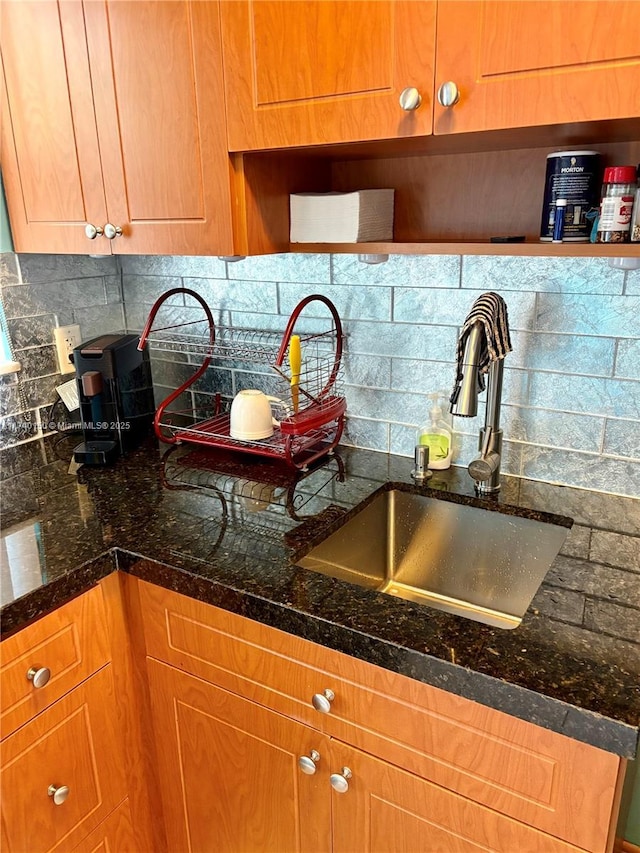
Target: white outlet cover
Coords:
[(66, 339)]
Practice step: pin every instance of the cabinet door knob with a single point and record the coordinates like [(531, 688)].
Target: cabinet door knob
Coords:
[(39, 675), (340, 781), (307, 763), (410, 99), (92, 231), (448, 94), (322, 701), (59, 793), (111, 231)]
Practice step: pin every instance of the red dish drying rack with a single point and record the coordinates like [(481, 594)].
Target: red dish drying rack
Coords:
[(314, 419)]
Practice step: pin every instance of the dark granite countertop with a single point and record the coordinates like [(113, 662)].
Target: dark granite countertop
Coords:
[(190, 521)]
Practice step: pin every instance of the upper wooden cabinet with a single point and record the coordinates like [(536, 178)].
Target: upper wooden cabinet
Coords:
[(113, 113), (519, 64), (307, 73)]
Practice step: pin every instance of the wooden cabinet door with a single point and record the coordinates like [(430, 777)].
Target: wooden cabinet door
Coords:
[(519, 63), (306, 72), (114, 835), (388, 809), (74, 744), (229, 771), (113, 112), (49, 146), (157, 84)]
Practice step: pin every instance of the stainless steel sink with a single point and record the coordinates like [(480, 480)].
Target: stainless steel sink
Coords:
[(470, 560)]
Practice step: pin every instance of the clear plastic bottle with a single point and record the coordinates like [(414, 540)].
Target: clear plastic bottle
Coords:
[(635, 216), (437, 433), (618, 190)]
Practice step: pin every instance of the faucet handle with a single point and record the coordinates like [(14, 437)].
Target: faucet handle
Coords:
[(486, 441), (484, 467)]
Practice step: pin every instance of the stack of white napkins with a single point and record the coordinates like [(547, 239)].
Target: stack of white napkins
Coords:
[(360, 217)]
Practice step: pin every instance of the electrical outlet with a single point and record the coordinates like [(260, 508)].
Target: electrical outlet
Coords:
[(66, 339)]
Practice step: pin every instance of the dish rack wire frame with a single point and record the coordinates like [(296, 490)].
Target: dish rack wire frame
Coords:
[(301, 438)]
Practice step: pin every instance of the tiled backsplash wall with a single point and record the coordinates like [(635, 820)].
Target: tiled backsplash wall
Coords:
[(572, 384)]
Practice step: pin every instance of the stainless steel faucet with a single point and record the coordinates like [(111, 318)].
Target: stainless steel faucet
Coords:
[(485, 468)]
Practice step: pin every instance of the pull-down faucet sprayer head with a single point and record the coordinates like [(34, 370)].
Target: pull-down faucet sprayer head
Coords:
[(464, 400)]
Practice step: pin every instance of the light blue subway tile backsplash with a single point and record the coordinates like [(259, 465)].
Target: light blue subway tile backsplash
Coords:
[(297, 267), (426, 305), (563, 353), (236, 295), (352, 303), (442, 271), (435, 343), (571, 397), (43, 269), (618, 398), (145, 289), (632, 287), (628, 359), (541, 275), (622, 438), (161, 265), (611, 316)]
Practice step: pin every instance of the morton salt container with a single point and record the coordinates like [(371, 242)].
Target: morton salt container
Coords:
[(576, 176)]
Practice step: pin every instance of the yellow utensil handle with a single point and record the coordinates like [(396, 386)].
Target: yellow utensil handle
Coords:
[(295, 358)]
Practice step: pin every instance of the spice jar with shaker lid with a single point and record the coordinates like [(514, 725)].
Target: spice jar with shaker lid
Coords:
[(616, 203), (635, 218)]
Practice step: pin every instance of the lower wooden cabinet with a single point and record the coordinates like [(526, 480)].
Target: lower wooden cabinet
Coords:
[(240, 778), (114, 835), (63, 772), (230, 772)]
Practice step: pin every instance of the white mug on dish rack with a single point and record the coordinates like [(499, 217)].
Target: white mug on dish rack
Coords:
[(251, 417)]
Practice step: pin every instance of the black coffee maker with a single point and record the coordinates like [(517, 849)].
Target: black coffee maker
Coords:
[(116, 397)]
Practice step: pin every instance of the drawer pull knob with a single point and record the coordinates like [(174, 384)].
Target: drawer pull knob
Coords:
[(448, 94), (111, 231), (93, 231), (322, 701), (307, 763), (58, 793), (410, 99), (39, 675), (340, 781)]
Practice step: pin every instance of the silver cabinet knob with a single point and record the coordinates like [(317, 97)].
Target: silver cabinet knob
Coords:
[(92, 232), (307, 763), (39, 675), (410, 99), (448, 94), (111, 231), (58, 793), (340, 781), (322, 701)]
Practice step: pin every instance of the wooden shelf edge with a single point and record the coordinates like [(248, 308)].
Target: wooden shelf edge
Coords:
[(532, 249)]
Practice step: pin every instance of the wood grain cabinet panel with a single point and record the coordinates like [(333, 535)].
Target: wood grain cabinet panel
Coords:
[(114, 835), (239, 786), (560, 786), (71, 642), (115, 114), (307, 73), (231, 780), (49, 145), (388, 809), (539, 62), (75, 743)]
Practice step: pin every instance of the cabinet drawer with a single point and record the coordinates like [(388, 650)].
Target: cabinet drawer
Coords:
[(73, 744), (71, 643), (562, 786)]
